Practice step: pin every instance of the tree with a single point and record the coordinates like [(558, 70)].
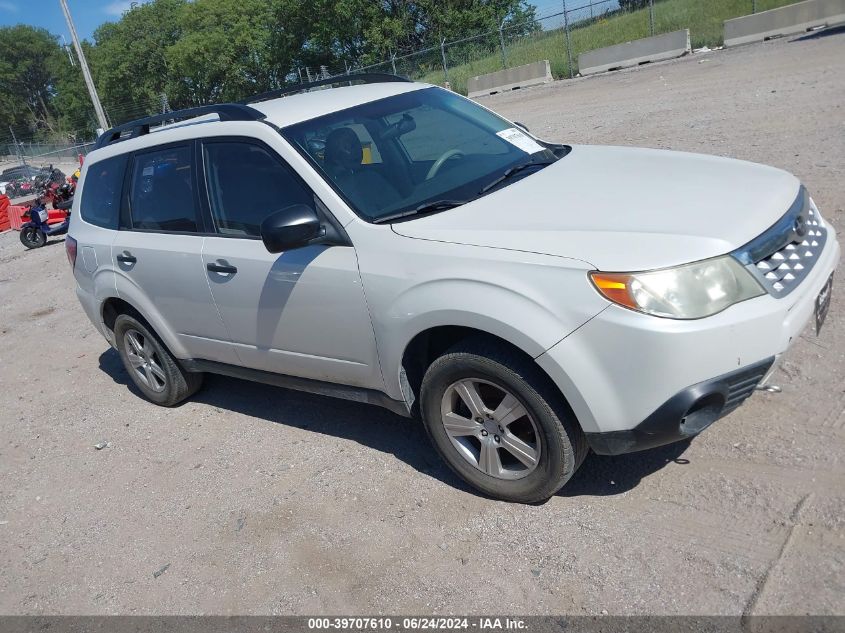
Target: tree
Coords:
[(632, 5), (230, 50), (409, 25), (129, 58), (27, 83), (204, 51)]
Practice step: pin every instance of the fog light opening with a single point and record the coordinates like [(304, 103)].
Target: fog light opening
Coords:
[(702, 414)]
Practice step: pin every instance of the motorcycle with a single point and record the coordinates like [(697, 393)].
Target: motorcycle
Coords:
[(34, 233), (57, 194), (24, 187)]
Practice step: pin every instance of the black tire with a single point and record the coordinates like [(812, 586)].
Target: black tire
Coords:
[(32, 237), (562, 445), (177, 384), (64, 205)]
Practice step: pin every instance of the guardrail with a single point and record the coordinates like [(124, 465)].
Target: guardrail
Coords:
[(510, 79), (788, 20), (642, 51)]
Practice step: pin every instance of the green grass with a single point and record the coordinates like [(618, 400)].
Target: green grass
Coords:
[(704, 19)]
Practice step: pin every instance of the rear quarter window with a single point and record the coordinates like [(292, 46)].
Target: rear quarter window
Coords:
[(101, 191)]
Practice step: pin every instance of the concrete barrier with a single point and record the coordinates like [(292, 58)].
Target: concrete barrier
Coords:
[(510, 79), (788, 20), (648, 49)]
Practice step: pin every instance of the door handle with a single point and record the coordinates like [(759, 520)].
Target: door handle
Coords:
[(126, 258), (221, 268)]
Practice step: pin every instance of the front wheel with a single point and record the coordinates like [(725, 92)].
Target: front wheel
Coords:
[(32, 237), (499, 422)]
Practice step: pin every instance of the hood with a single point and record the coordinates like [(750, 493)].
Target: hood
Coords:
[(622, 209)]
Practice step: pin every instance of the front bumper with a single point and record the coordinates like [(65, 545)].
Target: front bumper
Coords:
[(686, 414), (630, 377)]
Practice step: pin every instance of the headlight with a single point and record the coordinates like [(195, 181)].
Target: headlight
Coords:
[(691, 291)]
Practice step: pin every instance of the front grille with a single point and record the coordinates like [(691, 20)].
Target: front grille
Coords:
[(742, 385), (785, 254)]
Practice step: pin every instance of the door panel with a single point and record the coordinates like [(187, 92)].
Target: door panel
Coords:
[(168, 272), (163, 270), (300, 313)]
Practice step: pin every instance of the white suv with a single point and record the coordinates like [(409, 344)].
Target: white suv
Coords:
[(391, 242)]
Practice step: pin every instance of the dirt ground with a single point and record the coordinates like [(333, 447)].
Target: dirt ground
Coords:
[(253, 499)]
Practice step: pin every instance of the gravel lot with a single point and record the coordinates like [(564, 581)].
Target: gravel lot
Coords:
[(252, 499)]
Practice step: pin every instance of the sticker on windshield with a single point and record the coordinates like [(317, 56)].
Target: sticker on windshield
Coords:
[(521, 140)]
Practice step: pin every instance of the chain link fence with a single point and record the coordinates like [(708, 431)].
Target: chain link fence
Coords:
[(559, 37), (36, 153)]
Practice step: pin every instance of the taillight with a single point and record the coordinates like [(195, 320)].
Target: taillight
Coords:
[(70, 249)]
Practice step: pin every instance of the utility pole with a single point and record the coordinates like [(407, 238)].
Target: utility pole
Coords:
[(17, 148), (86, 73)]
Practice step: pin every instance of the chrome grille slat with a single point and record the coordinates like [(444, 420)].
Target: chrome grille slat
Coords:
[(783, 256)]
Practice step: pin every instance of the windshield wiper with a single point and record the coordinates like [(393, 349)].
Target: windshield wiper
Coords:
[(512, 171), (428, 207)]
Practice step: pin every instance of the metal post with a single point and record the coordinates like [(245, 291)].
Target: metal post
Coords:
[(443, 57), (393, 61), (651, 16), (17, 149), (67, 50), (568, 40), (86, 73), (502, 42)]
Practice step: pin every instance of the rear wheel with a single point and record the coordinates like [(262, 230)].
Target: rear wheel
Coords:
[(32, 237), (150, 365), (499, 423)]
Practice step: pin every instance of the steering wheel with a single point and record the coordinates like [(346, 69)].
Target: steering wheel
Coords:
[(449, 153)]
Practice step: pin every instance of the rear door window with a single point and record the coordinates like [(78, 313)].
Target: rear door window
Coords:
[(100, 204), (162, 191)]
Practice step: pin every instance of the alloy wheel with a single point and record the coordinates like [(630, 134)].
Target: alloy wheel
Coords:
[(490, 428), (144, 360)]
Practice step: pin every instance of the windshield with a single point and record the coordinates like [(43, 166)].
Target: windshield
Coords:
[(425, 150)]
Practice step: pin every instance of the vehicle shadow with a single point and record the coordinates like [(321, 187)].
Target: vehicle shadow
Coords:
[(387, 432), (367, 425), (603, 475)]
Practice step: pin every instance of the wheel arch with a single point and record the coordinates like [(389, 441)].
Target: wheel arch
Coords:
[(113, 306), (427, 345)]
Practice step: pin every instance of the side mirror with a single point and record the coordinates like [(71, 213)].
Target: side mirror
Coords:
[(522, 125), (292, 227)]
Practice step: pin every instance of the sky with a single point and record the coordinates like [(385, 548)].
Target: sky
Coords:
[(89, 14)]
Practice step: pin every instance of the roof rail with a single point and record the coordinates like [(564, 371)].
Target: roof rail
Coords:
[(367, 78), (140, 127)]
